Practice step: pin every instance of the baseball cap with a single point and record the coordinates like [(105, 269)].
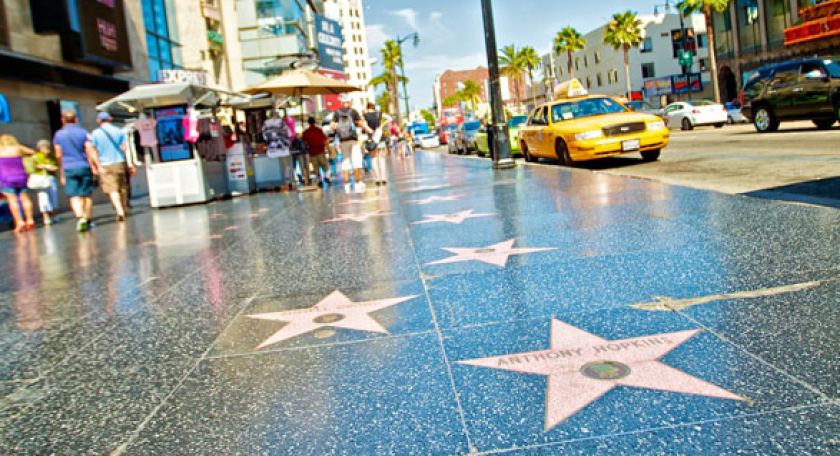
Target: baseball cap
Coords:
[(344, 98), (103, 117)]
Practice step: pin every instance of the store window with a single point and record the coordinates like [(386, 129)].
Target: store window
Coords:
[(161, 37), (778, 17), (746, 12), (280, 17)]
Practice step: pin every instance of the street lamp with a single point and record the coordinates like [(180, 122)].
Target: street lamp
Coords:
[(400, 41), (501, 141)]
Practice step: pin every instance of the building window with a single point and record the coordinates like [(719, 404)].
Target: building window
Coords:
[(597, 57), (161, 37), (724, 47), (585, 61), (647, 71), (577, 63), (702, 41), (746, 12), (704, 65), (4, 26), (612, 76), (647, 45), (599, 80), (778, 17), (280, 17), (588, 82)]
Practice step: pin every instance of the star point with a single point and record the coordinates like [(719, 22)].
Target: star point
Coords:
[(358, 217), (434, 199), (455, 219), (581, 367), (496, 254)]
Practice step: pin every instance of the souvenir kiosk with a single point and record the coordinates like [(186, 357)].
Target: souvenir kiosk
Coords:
[(266, 170), (179, 171)]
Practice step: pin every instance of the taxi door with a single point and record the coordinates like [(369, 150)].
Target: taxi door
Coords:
[(528, 132)]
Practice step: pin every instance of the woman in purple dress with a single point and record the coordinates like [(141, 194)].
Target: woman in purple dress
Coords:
[(13, 181)]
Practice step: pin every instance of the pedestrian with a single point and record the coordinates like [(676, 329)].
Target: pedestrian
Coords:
[(376, 122), (300, 156), (347, 123), (316, 140), (110, 143), (45, 183), (13, 181), (278, 137), (78, 163)]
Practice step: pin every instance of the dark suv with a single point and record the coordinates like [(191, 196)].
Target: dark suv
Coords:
[(797, 90)]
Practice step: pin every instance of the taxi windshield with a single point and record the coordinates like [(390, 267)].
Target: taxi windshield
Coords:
[(588, 107)]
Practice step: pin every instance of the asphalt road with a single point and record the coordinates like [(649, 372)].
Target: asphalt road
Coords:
[(798, 163)]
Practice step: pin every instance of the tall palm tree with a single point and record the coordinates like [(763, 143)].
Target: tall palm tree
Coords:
[(452, 100), (624, 32), (512, 67), (384, 101), (391, 59), (385, 78), (471, 93), (531, 60), (708, 8), (569, 41)]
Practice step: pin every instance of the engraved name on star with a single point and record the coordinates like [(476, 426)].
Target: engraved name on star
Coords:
[(455, 219), (496, 254), (336, 310), (358, 217), (434, 199), (581, 367)]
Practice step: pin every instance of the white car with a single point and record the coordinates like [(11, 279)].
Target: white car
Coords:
[(733, 111), (428, 141), (689, 114)]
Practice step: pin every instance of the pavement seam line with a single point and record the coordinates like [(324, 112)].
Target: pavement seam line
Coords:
[(446, 362)]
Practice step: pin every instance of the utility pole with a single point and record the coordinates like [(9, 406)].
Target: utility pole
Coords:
[(501, 141)]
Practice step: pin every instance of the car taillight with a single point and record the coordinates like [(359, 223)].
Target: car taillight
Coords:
[(742, 98), (695, 111), (723, 108)]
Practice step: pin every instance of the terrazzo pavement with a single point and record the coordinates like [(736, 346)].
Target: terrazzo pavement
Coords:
[(165, 334)]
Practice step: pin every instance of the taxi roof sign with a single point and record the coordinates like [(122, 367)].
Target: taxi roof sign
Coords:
[(570, 89)]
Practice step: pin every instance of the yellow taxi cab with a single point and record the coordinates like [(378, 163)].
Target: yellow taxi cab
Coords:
[(577, 126)]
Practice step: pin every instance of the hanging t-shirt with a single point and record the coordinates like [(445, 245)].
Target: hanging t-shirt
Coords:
[(146, 129), (211, 143), (191, 121), (277, 136)]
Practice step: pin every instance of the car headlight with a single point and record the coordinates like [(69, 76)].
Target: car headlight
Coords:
[(586, 135), (656, 126)]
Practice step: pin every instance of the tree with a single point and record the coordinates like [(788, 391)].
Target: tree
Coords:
[(624, 32), (708, 8), (384, 101), (452, 100), (531, 61), (569, 41), (385, 79), (391, 59), (512, 67), (471, 93), (428, 117)]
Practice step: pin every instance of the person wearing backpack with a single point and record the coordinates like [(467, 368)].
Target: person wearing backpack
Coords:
[(110, 143), (347, 123), (376, 122)]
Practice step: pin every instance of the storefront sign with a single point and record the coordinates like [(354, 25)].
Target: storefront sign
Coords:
[(332, 102), (330, 51), (103, 36), (672, 85), (182, 76)]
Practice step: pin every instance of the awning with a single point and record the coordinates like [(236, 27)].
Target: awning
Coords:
[(159, 95)]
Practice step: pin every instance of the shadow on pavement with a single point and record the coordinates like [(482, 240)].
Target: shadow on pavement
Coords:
[(823, 192)]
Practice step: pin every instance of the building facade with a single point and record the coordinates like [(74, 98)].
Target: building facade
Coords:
[(450, 82), (751, 34), (600, 68), (357, 63), (49, 63)]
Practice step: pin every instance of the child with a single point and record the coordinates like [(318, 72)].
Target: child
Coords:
[(46, 166)]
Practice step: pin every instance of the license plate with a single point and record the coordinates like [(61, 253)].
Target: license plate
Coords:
[(630, 144)]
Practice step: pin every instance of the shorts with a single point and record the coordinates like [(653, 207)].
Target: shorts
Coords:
[(79, 182), (320, 161), (48, 197), (115, 179), (351, 153), (14, 190)]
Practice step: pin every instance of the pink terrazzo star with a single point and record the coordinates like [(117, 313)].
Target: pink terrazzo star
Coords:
[(581, 367), (455, 219), (336, 310), (422, 188), (363, 201), (434, 199), (414, 181), (496, 254), (358, 217), (232, 228), (216, 236)]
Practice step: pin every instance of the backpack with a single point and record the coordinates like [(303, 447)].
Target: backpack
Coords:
[(346, 129)]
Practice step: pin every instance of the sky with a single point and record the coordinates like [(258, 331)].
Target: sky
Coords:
[(452, 32)]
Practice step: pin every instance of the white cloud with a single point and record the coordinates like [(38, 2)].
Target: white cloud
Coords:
[(376, 38), (409, 15)]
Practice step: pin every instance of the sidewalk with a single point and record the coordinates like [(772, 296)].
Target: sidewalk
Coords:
[(537, 311)]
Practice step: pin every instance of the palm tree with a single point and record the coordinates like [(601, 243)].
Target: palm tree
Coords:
[(386, 79), (512, 67), (384, 101), (624, 32), (471, 93), (569, 41), (531, 60), (391, 59), (708, 8), (452, 100)]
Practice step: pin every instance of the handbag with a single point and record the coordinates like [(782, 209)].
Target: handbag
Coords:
[(371, 145), (38, 182)]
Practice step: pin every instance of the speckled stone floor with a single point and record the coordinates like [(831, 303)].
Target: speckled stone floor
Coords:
[(536, 311)]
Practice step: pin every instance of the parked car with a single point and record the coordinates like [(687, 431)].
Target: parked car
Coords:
[(733, 113), (806, 89), (514, 124), (471, 129), (428, 141), (457, 143), (577, 126), (643, 107), (690, 114)]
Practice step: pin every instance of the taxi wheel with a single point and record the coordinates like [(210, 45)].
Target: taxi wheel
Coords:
[(651, 155), (562, 152), (528, 157)]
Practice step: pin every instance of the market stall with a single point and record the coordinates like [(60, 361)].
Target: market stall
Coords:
[(182, 142)]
